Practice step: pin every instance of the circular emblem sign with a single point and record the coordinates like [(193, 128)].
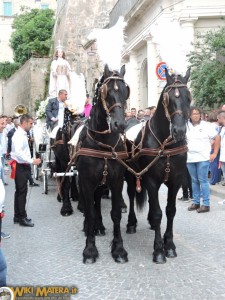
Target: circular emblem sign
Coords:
[(160, 70)]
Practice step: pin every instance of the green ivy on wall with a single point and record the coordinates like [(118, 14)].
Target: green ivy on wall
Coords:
[(7, 69)]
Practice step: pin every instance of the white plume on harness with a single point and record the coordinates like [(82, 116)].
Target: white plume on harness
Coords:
[(172, 44), (110, 43)]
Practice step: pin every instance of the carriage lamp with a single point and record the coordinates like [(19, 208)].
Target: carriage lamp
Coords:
[(91, 52)]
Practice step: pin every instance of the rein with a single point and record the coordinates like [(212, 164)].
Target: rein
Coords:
[(121, 156), (157, 153)]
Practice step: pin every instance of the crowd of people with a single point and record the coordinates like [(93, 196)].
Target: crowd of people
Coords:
[(141, 114)]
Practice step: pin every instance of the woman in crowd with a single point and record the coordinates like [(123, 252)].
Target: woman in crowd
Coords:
[(199, 136)]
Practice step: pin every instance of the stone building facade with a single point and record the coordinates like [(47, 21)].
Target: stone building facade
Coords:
[(76, 18), (141, 54)]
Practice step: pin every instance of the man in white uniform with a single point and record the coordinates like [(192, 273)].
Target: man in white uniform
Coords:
[(21, 160)]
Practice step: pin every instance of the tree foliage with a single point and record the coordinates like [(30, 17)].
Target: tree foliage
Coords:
[(32, 34), (208, 69), (7, 69)]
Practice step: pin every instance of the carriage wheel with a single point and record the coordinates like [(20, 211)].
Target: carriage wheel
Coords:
[(36, 172), (45, 182)]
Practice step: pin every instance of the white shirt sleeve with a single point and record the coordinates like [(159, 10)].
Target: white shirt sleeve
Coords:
[(212, 132), (20, 149)]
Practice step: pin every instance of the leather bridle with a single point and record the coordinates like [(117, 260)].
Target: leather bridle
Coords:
[(104, 91), (176, 85), (103, 95)]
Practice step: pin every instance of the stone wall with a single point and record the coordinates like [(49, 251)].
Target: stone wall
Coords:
[(74, 21), (25, 86)]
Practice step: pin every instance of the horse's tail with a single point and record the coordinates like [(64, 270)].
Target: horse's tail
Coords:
[(141, 198)]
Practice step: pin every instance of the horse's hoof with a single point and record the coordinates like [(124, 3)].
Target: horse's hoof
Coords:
[(90, 254), (159, 258), (121, 260), (170, 253), (59, 198), (100, 232), (66, 213), (89, 260), (131, 229), (123, 210)]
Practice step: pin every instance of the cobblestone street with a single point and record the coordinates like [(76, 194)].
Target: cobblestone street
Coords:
[(51, 252)]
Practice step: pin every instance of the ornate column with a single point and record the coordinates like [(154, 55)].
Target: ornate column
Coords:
[(132, 79), (152, 78), (187, 27)]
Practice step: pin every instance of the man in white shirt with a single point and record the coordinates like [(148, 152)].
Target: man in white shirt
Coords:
[(21, 160)]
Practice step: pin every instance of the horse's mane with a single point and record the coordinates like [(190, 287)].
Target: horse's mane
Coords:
[(96, 111), (97, 90)]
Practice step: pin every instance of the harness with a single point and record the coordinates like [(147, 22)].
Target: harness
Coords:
[(122, 156)]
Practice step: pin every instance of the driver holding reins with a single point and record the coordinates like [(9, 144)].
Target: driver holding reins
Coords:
[(55, 110)]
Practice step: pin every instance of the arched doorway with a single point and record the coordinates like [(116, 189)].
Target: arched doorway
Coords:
[(144, 84)]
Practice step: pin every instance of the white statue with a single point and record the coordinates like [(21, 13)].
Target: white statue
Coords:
[(60, 74)]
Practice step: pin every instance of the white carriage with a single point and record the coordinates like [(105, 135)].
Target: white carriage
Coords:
[(42, 149), (42, 134)]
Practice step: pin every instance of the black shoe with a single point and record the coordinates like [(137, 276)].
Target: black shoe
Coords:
[(185, 199), (34, 184), (17, 220), (26, 222)]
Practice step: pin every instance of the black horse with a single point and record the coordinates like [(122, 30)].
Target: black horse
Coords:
[(163, 153), (67, 187), (100, 144)]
